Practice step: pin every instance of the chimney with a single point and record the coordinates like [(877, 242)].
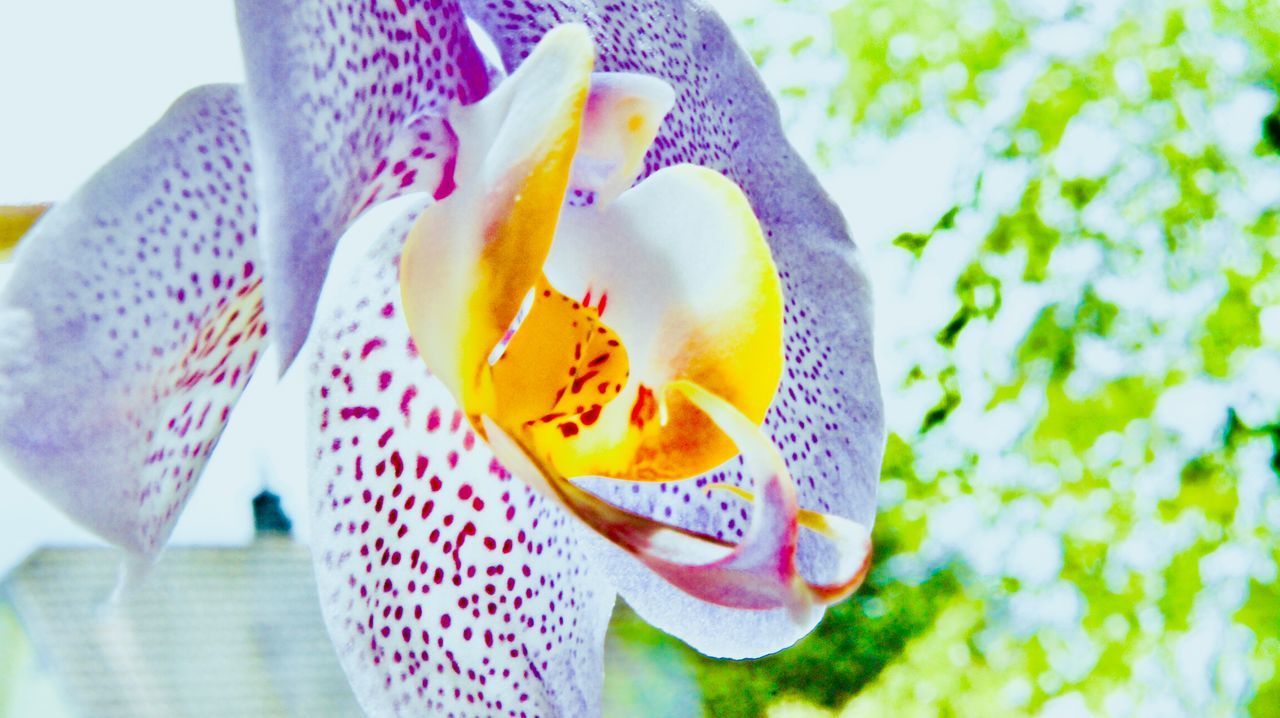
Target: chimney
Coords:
[(269, 518)]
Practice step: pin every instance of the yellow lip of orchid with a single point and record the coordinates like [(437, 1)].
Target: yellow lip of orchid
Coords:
[(482, 249), (652, 328)]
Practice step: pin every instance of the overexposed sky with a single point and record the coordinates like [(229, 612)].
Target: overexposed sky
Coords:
[(82, 78)]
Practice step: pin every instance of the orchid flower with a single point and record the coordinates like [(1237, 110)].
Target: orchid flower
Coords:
[(618, 318)]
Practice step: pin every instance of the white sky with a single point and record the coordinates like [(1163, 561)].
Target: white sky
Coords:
[(82, 78)]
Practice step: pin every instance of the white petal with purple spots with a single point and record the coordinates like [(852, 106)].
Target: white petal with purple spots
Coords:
[(338, 91), (134, 319), (449, 587)]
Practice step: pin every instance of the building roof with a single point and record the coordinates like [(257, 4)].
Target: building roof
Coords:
[(210, 632)]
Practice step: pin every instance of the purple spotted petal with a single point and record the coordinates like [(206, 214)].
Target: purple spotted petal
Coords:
[(132, 322), (334, 91), (449, 587), (827, 419), (420, 158)]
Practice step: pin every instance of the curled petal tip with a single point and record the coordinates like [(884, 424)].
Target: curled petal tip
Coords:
[(858, 556), (776, 497), (851, 540), (853, 549)]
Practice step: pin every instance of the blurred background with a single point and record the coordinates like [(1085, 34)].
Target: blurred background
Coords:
[(1070, 211)]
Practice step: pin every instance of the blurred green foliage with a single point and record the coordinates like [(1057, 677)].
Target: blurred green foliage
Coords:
[(9, 642), (1080, 505), (849, 648)]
